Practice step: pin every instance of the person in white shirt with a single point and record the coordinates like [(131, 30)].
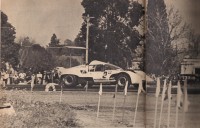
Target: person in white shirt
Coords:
[(22, 76), (39, 78), (5, 78), (32, 82)]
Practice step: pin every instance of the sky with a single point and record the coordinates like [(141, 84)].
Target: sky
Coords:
[(39, 19), (189, 10)]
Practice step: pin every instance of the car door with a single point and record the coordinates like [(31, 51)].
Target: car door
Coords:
[(97, 72)]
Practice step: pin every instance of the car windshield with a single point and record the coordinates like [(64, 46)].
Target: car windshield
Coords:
[(111, 67)]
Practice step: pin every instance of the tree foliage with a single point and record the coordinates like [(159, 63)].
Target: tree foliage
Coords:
[(64, 61), (194, 44), (25, 41), (35, 58), (113, 25), (68, 42), (9, 50), (159, 52), (54, 41)]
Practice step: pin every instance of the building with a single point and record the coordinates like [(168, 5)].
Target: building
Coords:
[(190, 68)]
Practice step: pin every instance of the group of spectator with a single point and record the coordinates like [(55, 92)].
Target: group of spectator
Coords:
[(10, 76)]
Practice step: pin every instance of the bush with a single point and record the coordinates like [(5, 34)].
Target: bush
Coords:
[(40, 114)]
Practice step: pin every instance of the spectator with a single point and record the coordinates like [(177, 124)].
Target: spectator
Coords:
[(15, 78), (39, 78), (11, 73), (44, 81), (32, 82), (7, 66), (55, 76), (5, 77), (22, 77), (1, 83), (47, 77)]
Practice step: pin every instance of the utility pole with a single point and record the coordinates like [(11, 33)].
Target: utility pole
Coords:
[(87, 37)]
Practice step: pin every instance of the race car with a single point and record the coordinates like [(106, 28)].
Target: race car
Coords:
[(100, 72)]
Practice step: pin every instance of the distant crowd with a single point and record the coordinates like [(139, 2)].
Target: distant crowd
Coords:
[(10, 76)]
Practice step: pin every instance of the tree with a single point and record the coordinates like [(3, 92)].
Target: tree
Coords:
[(159, 53), (64, 61), (25, 41), (9, 49), (194, 44), (69, 42), (35, 58), (54, 41), (112, 25)]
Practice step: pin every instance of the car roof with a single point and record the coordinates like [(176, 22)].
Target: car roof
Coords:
[(95, 62)]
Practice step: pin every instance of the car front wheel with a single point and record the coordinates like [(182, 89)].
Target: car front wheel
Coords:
[(70, 80), (122, 79)]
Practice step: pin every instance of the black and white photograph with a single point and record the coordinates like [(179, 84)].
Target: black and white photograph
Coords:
[(99, 63)]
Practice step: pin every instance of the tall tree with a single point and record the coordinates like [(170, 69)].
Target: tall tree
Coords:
[(113, 36), (9, 49), (159, 52), (54, 41)]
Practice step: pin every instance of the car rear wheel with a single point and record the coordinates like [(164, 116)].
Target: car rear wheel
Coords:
[(122, 79), (70, 80)]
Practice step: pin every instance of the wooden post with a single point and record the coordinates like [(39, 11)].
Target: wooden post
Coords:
[(61, 92), (136, 109), (179, 93), (169, 104), (99, 102), (125, 93), (156, 95), (114, 104), (185, 103), (123, 108), (162, 100), (86, 89), (156, 108), (98, 106)]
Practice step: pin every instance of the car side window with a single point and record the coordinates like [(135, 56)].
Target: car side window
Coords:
[(99, 68), (107, 67)]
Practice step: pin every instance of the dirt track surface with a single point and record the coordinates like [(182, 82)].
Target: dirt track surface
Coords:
[(84, 106), (191, 117)]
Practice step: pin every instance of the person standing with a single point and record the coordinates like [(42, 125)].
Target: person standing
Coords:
[(1, 83), (22, 76), (6, 78), (39, 78), (32, 82)]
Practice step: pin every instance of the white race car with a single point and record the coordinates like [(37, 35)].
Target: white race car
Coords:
[(100, 72)]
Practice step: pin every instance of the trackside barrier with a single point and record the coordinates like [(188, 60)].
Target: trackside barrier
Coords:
[(179, 97)]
